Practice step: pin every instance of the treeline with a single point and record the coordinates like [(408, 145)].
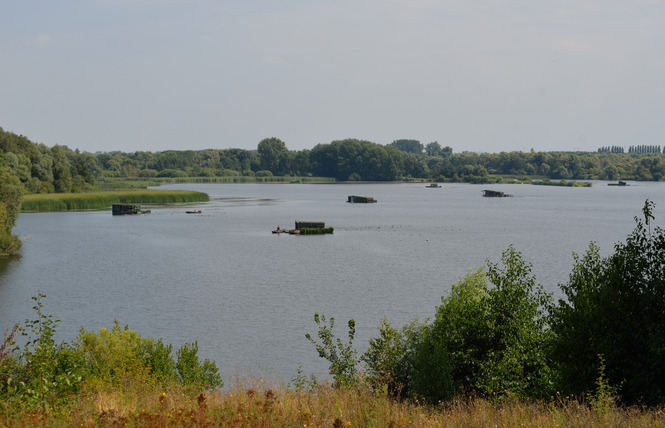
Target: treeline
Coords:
[(41, 169), (498, 334), (644, 149), (631, 149)]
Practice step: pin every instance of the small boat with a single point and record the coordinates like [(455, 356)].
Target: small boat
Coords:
[(620, 183), (433, 186), (193, 212)]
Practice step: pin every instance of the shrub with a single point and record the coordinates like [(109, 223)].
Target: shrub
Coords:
[(48, 374), (192, 372), (43, 372), (342, 357), (489, 340), (390, 357)]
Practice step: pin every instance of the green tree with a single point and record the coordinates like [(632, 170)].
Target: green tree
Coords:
[(273, 155), (615, 308), (62, 177)]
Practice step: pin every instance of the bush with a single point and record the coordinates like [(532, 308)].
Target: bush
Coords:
[(192, 372), (227, 173), (389, 359), (172, 173), (43, 373), (489, 340), (148, 173), (342, 357)]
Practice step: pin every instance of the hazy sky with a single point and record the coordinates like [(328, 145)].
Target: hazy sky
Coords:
[(153, 75)]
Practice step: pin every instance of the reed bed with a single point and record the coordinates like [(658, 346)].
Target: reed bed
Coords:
[(562, 183), (100, 200), (259, 404), (246, 179)]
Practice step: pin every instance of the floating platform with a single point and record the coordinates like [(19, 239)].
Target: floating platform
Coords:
[(306, 228), (495, 194), (353, 199), (127, 209)]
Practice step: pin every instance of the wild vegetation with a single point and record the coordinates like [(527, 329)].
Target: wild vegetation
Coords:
[(11, 195), (98, 200), (561, 183)]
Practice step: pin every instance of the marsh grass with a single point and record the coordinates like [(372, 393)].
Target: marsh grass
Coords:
[(561, 183), (255, 403), (100, 200)]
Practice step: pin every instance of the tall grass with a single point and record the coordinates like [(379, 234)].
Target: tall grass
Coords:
[(100, 200), (255, 403), (562, 183)]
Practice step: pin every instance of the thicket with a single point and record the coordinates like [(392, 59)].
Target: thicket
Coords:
[(47, 374), (498, 335)]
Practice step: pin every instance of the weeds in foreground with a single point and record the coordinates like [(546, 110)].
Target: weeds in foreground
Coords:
[(254, 403)]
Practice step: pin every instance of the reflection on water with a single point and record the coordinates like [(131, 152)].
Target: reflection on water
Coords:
[(248, 296)]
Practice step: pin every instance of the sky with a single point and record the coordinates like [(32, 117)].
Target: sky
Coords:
[(482, 76)]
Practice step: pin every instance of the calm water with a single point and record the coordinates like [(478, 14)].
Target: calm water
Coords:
[(248, 296)]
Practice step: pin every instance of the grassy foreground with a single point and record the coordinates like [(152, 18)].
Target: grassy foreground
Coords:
[(99, 200), (254, 403)]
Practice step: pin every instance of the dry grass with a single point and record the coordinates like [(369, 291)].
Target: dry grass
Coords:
[(255, 403)]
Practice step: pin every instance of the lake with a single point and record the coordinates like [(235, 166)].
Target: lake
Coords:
[(248, 296)]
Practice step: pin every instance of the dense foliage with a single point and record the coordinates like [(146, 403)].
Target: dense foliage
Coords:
[(47, 374), (498, 334), (11, 194), (614, 315)]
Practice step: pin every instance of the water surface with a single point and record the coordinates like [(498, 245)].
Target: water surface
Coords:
[(248, 296)]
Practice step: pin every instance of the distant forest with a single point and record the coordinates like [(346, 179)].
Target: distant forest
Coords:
[(42, 169)]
